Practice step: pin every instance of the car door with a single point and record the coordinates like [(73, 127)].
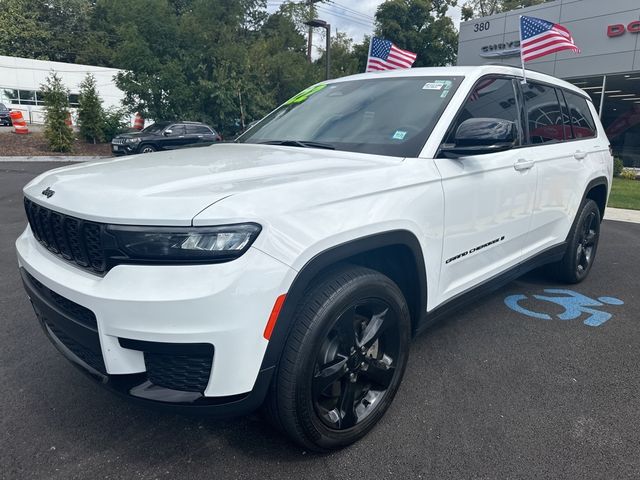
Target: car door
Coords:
[(488, 197), (561, 135), (174, 136)]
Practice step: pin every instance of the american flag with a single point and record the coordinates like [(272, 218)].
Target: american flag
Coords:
[(539, 37), (384, 55)]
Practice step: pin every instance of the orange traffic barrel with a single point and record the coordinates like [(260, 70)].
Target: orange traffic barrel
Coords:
[(19, 124), (138, 123), (67, 120)]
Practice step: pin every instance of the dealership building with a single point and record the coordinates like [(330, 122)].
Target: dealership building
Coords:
[(21, 80), (608, 68)]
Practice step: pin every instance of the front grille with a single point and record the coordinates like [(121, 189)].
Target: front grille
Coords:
[(77, 312), (189, 373), (91, 358), (118, 141), (75, 240)]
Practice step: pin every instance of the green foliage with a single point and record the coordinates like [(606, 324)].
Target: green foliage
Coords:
[(628, 174), (90, 111), (57, 132), (225, 62), (618, 166), (51, 30), (421, 26), (484, 8), (114, 121)]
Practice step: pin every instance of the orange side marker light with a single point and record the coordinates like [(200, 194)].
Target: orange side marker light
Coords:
[(273, 318)]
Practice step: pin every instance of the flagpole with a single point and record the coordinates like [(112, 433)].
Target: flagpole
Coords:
[(366, 69), (524, 72)]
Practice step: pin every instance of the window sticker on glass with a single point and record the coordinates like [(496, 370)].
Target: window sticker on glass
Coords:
[(399, 135), (305, 94), (446, 84), (433, 86)]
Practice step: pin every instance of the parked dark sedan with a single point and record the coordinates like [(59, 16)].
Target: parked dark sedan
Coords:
[(164, 136), (5, 119)]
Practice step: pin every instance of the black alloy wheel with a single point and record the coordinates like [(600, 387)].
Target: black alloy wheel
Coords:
[(343, 360), (356, 363), (586, 245), (582, 245)]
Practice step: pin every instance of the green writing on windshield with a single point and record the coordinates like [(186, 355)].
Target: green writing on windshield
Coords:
[(305, 94)]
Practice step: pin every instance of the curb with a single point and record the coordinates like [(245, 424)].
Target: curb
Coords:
[(51, 158), (622, 215)]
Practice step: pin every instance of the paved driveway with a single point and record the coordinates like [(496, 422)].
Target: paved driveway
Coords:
[(490, 393)]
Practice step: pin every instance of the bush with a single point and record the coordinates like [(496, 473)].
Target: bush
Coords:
[(90, 112), (628, 174), (618, 166), (56, 98), (114, 121)]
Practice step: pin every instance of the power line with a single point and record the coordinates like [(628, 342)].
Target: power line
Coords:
[(352, 11)]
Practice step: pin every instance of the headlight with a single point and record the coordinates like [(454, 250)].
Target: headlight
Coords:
[(180, 244), (132, 140)]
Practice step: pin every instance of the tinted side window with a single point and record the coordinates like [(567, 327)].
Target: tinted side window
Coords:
[(176, 130), (566, 119), (492, 97), (581, 119), (198, 130), (543, 113)]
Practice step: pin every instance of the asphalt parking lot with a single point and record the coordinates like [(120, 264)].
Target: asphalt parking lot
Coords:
[(490, 393)]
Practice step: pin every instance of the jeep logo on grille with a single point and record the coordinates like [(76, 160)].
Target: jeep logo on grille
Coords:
[(47, 192)]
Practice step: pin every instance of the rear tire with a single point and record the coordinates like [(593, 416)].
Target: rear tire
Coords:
[(582, 246), (343, 360)]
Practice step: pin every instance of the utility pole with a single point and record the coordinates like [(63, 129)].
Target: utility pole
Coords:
[(310, 37), (316, 22)]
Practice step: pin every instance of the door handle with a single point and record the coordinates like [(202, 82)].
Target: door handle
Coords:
[(580, 155), (523, 164)]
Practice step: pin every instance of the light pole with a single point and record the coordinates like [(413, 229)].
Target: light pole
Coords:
[(322, 24)]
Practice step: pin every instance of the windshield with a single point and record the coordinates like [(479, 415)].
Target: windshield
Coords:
[(384, 116), (155, 128)]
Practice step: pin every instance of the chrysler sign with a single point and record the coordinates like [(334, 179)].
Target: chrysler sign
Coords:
[(506, 49)]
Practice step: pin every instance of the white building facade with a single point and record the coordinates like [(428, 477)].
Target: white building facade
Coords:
[(21, 80)]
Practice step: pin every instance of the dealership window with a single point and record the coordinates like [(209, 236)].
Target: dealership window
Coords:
[(617, 101), (27, 97)]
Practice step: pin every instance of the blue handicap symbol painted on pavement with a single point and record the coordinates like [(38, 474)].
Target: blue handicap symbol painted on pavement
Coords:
[(575, 305)]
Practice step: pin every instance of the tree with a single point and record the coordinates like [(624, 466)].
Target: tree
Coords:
[(421, 26), (46, 30), (484, 8), (90, 112), (56, 98), (343, 60)]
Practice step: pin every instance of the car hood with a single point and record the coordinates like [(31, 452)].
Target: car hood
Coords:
[(171, 188), (134, 135)]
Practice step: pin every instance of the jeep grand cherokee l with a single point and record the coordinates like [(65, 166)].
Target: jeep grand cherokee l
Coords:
[(292, 268), (164, 136)]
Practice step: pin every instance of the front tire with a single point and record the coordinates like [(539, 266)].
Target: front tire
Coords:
[(343, 360), (582, 245), (147, 148)]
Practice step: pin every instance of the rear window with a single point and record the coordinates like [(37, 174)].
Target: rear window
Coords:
[(582, 121), (198, 130)]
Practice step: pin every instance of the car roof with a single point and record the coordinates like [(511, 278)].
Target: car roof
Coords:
[(472, 72)]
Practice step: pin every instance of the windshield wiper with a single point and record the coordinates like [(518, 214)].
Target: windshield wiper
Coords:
[(299, 143)]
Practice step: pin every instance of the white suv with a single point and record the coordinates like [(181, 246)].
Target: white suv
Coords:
[(291, 268)]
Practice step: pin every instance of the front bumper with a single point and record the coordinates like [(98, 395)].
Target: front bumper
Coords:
[(124, 148), (153, 332)]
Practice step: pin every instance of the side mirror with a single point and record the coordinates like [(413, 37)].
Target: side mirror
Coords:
[(477, 136), (168, 132)]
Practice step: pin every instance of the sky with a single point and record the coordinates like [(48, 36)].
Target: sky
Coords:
[(355, 17)]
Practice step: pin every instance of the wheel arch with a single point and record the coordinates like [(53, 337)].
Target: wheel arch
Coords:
[(396, 253), (598, 190)]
